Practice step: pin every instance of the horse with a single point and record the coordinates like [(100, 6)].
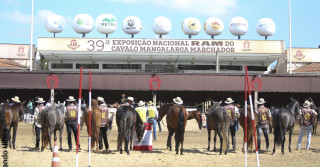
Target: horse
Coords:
[(218, 119), (95, 123), (196, 114), (10, 116), (176, 123), (52, 119), (127, 119), (250, 125), (284, 121)]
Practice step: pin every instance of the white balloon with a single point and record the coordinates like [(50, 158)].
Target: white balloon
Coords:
[(131, 25), (55, 23), (82, 23), (266, 27), (213, 26), (161, 25), (106, 23), (238, 26), (191, 26)]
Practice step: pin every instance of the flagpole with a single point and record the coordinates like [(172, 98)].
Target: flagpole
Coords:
[(31, 37), (290, 53)]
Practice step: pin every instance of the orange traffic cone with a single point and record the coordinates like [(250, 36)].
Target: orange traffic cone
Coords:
[(55, 157)]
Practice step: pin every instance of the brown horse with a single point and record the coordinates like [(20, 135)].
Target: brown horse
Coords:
[(164, 109), (176, 123), (250, 132), (10, 118), (95, 123)]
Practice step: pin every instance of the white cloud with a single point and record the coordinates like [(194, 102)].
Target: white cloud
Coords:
[(202, 7), (25, 18), (11, 2)]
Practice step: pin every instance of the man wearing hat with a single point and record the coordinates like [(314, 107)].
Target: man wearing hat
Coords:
[(130, 102), (264, 117), (233, 111), (71, 120), (178, 100), (152, 113), (104, 123), (37, 117), (15, 100), (306, 115), (142, 111)]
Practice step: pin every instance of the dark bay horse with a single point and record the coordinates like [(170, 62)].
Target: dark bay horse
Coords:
[(164, 109), (315, 118), (52, 119), (219, 121), (10, 116), (95, 123), (176, 123), (250, 125), (127, 120), (282, 122)]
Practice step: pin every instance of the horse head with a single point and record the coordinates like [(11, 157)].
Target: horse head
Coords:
[(313, 106), (294, 106), (216, 104)]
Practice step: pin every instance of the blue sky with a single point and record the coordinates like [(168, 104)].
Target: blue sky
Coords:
[(15, 16)]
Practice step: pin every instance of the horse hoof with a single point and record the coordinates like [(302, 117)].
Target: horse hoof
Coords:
[(181, 153), (220, 153), (60, 149)]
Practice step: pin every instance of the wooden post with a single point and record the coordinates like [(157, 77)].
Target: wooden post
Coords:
[(154, 100), (255, 100)]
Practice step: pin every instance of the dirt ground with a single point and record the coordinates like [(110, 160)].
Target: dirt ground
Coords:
[(195, 153)]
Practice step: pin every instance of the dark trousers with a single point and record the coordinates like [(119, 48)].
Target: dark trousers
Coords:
[(38, 131), (159, 125), (72, 126), (264, 129), (103, 135), (232, 129)]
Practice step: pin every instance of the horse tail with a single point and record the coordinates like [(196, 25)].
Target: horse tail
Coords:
[(45, 128), (225, 129), (278, 128), (122, 129), (180, 127)]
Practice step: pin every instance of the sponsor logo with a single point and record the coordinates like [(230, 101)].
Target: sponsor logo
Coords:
[(192, 25), (238, 24), (80, 22), (131, 23), (73, 44), (299, 55), (109, 22), (205, 26), (60, 23), (21, 51), (215, 25), (246, 46)]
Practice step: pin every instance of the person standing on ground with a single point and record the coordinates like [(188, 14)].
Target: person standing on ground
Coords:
[(72, 120), (152, 112), (142, 111), (307, 116), (104, 123), (234, 114), (264, 117), (37, 123)]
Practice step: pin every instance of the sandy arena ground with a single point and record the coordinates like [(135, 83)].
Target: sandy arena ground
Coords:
[(195, 153)]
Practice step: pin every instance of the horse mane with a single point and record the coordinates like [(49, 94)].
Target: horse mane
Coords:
[(114, 105)]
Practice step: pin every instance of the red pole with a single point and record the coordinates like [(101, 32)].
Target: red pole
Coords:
[(246, 119), (252, 117), (79, 110), (89, 145)]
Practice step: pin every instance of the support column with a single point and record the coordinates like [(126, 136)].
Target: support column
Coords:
[(52, 97), (217, 63)]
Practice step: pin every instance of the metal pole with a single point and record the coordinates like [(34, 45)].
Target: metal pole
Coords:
[(31, 37), (290, 53), (89, 142), (79, 110), (252, 117), (52, 97)]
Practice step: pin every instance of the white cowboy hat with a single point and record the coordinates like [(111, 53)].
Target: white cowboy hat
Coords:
[(71, 98), (130, 98), (306, 103), (229, 100), (261, 101), (101, 99), (178, 100), (149, 103), (40, 100), (141, 103), (16, 99)]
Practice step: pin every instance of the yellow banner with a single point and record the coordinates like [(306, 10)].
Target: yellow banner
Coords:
[(160, 45)]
